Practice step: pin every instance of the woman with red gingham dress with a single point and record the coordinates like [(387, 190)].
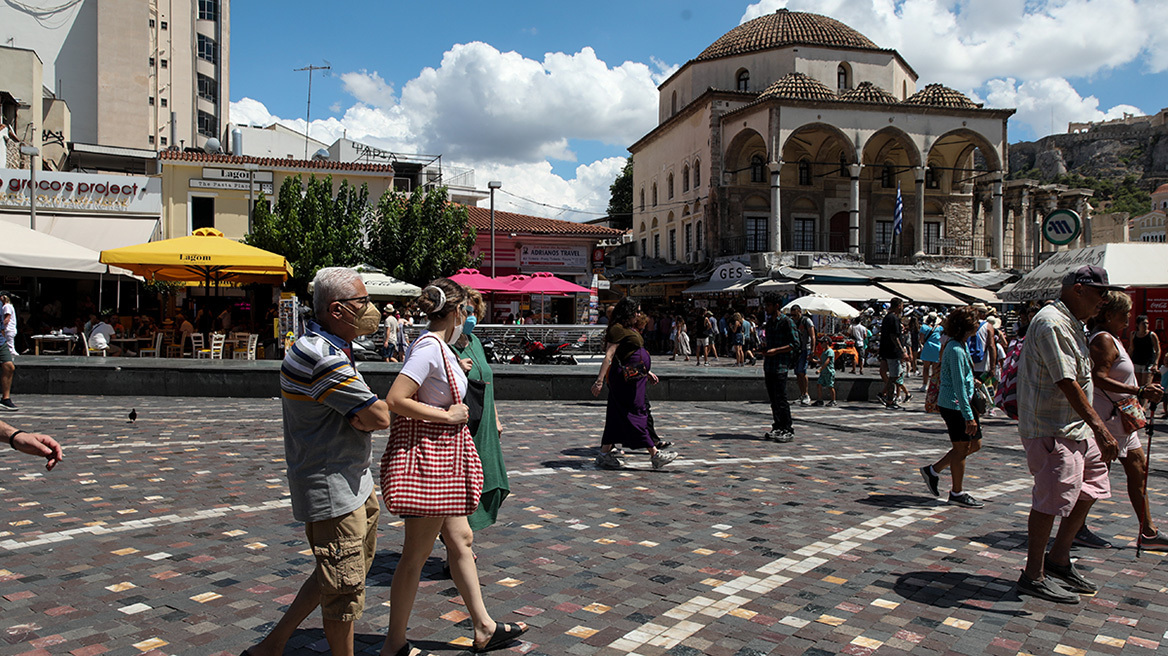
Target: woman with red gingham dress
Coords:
[(430, 389)]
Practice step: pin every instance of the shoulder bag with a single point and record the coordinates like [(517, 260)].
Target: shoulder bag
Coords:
[(430, 469), (1131, 413)]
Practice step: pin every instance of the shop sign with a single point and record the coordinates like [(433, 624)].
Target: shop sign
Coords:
[(237, 174), (732, 271), (1061, 227), (88, 192), (556, 259), (232, 185)]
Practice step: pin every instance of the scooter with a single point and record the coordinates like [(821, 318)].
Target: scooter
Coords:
[(534, 352), (489, 350), (365, 350)]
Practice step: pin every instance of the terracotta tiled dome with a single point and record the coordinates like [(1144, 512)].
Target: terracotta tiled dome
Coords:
[(940, 95), (784, 28), (868, 93), (1162, 189), (797, 86)]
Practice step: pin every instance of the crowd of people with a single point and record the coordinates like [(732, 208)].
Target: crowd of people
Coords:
[(1079, 388)]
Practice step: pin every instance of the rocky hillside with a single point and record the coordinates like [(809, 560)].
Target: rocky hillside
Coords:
[(1108, 153)]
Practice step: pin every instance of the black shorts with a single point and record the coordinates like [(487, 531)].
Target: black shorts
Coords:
[(956, 425)]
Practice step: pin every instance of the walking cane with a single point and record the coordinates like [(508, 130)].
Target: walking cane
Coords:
[(1147, 467)]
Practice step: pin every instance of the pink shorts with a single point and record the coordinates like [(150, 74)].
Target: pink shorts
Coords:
[(1064, 472), (1128, 443)]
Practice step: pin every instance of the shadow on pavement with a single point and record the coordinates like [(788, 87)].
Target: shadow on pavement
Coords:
[(957, 590), (897, 501), (1012, 540), (735, 436)]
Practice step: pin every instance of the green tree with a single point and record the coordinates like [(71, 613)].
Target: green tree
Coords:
[(620, 203), (312, 227), (420, 236)]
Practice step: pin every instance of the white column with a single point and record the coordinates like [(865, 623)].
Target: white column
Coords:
[(854, 211), (776, 225), (919, 221), (998, 235)]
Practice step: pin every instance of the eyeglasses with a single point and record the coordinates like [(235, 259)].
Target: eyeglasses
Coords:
[(362, 300)]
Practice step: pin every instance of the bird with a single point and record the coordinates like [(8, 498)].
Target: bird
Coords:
[(133, 415)]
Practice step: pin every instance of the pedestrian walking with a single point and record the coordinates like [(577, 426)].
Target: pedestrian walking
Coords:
[(680, 339), (955, 403), (805, 331), (1145, 351), (627, 369), (431, 474), (930, 347), (389, 344), (329, 416), (1067, 444), (826, 380), (1114, 376), (859, 333), (891, 352), (7, 352), (782, 342), (738, 338)]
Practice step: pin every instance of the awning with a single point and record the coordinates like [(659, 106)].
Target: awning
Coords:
[(850, 292), (1127, 265), (95, 232), (23, 248), (920, 292), (720, 286), (983, 295), (776, 287)]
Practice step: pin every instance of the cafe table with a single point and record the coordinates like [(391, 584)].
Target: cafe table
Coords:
[(67, 340)]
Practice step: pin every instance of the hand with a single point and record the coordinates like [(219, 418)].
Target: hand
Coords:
[(653, 378), (1108, 447), (457, 414), (38, 444), (1154, 393), (971, 427), (466, 364), (597, 387)]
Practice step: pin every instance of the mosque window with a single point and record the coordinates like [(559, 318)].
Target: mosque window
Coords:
[(743, 80), (673, 104), (932, 177), (654, 194), (886, 176), (843, 170), (757, 169), (697, 175), (642, 199), (843, 77), (698, 238), (685, 179), (804, 172), (669, 187)]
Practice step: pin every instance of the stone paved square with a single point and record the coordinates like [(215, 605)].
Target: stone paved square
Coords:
[(173, 535)]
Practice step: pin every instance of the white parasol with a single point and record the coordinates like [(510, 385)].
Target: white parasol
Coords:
[(826, 306)]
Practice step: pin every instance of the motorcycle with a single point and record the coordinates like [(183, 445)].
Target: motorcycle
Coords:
[(535, 352), (365, 349), (489, 350)]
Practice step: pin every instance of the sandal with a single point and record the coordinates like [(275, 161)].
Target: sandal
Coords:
[(409, 649), (504, 634)]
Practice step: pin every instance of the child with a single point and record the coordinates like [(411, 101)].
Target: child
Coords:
[(899, 389), (826, 374)]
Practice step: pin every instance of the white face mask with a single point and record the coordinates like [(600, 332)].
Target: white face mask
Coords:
[(455, 335)]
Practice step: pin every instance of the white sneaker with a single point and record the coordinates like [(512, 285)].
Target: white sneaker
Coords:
[(662, 458), (805, 400), (609, 460)]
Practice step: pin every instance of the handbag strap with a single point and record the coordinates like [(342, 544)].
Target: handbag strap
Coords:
[(449, 372)]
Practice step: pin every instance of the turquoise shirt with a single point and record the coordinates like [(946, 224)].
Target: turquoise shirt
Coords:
[(956, 379)]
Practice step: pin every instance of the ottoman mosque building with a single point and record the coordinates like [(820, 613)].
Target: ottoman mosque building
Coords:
[(794, 133)]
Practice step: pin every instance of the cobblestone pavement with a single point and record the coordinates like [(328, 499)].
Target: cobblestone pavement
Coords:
[(173, 535)]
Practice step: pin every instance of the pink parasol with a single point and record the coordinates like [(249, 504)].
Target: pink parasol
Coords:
[(475, 280), (543, 282)]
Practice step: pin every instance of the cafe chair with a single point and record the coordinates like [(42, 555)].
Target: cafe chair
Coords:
[(250, 353), (216, 350), (153, 352), (196, 344), (85, 348)]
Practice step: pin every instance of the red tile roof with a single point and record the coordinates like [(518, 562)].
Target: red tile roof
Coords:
[(480, 218), (273, 162)]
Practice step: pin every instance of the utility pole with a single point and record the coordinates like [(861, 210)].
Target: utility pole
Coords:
[(308, 114)]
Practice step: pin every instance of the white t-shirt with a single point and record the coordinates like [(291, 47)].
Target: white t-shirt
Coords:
[(101, 335), (424, 366), (9, 327), (391, 329)]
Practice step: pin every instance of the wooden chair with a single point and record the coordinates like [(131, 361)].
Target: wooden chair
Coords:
[(216, 350), (196, 345), (153, 352), (250, 353), (89, 351)]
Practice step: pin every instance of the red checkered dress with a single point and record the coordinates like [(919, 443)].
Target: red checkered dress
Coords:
[(429, 469)]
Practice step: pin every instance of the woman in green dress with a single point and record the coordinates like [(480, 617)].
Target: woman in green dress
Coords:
[(487, 437)]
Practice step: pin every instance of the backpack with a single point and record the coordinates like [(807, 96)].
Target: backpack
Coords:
[(976, 345), (1006, 396)]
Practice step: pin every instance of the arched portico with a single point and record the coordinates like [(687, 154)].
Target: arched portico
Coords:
[(957, 159)]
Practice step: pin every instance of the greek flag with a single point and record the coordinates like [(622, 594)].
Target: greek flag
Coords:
[(898, 213)]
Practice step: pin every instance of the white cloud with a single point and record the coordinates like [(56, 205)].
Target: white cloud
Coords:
[(536, 181), (369, 88), (1047, 105)]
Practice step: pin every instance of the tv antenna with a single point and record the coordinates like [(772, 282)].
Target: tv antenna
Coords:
[(308, 113)]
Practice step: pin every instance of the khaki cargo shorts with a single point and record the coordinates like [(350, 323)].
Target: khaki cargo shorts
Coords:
[(344, 548)]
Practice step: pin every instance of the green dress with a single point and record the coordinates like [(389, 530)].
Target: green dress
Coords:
[(486, 439)]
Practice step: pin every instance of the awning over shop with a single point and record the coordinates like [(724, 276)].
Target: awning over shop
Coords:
[(851, 292), (983, 295), (93, 231), (24, 248), (1129, 264), (920, 292), (720, 286), (776, 287)]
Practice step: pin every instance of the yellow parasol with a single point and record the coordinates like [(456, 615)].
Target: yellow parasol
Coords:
[(205, 256)]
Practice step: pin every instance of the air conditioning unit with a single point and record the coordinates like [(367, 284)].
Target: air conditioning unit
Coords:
[(981, 264), (633, 263), (803, 261), (699, 256)]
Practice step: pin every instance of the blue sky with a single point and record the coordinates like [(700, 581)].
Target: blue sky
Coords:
[(547, 96)]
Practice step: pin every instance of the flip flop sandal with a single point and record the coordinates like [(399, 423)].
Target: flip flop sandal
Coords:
[(409, 649), (504, 634)]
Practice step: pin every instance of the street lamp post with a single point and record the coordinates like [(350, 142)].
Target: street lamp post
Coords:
[(493, 185), (33, 153)]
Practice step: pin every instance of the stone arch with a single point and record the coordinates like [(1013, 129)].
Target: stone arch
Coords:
[(822, 147), (670, 217), (654, 225), (964, 140), (744, 146), (890, 144)]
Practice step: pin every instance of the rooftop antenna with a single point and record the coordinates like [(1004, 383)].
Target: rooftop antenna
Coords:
[(308, 114)]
